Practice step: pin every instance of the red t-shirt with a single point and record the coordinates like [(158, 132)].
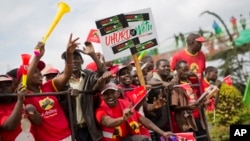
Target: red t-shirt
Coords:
[(117, 112), (127, 91), (5, 112), (54, 126), (197, 62), (205, 84)]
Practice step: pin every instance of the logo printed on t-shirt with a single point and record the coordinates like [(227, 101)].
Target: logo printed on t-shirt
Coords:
[(135, 126), (46, 103), (194, 68), (117, 132)]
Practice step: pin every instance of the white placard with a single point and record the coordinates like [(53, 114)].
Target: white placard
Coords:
[(120, 32)]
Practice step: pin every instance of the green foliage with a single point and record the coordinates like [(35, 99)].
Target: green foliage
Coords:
[(230, 110), (220, 133)]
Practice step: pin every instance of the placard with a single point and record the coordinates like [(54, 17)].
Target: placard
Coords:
[(120, 32)]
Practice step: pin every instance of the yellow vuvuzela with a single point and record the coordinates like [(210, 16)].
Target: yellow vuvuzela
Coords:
[(62, 9)]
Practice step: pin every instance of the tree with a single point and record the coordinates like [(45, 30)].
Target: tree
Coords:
[(232, 64), (230, 110)]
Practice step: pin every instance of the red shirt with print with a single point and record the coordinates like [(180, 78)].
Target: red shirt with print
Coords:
[(197, 62), (117, 112), (54, 126)]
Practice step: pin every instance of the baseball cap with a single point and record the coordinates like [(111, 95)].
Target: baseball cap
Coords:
[(121, 67), (91, 66), (52, 71), (195, 37), (4, 78), (40, 66), (76, 52), (12, 73), (109, 86)]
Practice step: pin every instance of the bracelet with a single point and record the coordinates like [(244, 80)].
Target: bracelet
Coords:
[(37, 52)]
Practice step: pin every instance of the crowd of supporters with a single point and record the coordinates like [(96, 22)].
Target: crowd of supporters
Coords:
[(98, 101)]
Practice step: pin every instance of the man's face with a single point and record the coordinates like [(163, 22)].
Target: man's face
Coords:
[(134, 78), (77, 62), (6, 87), (213, 75), (150, 65), (125, 76), (37, 78), (110, 97), (164, 68), (183, 71), (197, 46)]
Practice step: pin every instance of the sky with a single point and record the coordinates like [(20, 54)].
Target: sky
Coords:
[(24, 23)]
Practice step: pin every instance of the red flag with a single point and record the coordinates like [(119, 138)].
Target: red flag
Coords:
[(228, 80), (93, 36), (190, 92), (189, 136), (137, 95)]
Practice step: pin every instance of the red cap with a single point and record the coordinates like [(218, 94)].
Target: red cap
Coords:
[(40, 66), (52, 71), (200, 39), (91, 66), (194, 37)]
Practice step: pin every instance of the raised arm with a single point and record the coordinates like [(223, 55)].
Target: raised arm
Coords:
[(14, 119), (35, 60), (61, 80), (89, 50)]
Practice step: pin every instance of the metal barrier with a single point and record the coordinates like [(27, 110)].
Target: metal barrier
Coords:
[(94, 91), (202, 112), (56, 94)]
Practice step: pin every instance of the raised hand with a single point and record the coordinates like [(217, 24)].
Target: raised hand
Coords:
[(127, 113), (89, 49), (30, 109), (72, 44), (21, 92), (40, 47), (158, 103), (102, 80)]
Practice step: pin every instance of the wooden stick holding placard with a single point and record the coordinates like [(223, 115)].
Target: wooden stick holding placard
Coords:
[(137, 66), (139, 73)]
